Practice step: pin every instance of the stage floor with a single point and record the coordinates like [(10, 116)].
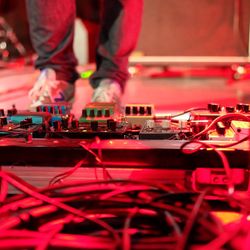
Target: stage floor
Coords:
[(167, 94)]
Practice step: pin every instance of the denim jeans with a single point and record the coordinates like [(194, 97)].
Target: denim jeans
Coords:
[(52, 32)]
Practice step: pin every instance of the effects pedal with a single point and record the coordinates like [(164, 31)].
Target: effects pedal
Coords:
[(137, 114), (159, 129), (100, 112)]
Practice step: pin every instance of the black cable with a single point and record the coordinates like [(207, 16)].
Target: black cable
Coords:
[(160, 218), (182, 243), (60, 205)]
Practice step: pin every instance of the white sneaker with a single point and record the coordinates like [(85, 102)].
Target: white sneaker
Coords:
[(48, 90), (107, 91)]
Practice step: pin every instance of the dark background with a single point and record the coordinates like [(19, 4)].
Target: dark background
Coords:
[(170, 27), (195, 27)]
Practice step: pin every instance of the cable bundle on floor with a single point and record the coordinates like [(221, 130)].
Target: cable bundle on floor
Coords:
[(112, 214)]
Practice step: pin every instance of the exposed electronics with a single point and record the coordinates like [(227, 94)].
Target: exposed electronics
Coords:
[(134, 139)]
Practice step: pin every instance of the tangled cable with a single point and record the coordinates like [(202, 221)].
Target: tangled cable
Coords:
[(108, 214)]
